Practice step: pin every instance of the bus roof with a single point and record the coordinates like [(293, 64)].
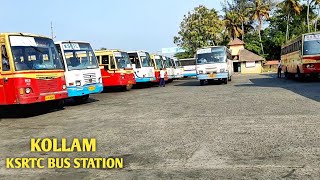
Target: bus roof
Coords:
[(137, 51), (21, 34), (297, 38), (68, 41), (213, 47)]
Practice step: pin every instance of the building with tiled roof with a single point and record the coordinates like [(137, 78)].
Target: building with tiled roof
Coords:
[(244, 61)]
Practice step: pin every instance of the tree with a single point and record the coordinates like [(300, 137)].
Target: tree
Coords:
[(233, 24), (290, 7), (260, 11), (200, 27)]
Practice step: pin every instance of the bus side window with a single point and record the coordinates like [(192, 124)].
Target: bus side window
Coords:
[(105, 60), (5, 59), (112, 63)]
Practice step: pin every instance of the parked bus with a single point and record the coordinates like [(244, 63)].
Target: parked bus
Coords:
[(178, 69), (143, 66), (158, 64), (116, 69), (82, 71), (301, 57), (189, 67), (214, 63), (31, 70), (168, 64)]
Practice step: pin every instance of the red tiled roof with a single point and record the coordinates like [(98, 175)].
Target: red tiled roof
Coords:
[(245, 55), (272, 62), (236, 41)]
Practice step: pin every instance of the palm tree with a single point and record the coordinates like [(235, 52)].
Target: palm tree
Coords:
[(232, 24), (260, 11), (290, 7)]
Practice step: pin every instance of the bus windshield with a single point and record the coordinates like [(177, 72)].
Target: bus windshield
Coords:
[(122, 59), (34, 53), (311, 44), (158, 62), (211, 55), (145, 60), (79, 56)]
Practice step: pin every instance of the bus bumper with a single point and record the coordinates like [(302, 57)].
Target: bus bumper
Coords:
[(74, 91), (212, 76), (144, 80), (189, 74), (30, 99)]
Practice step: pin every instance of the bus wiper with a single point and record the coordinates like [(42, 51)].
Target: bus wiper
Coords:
[(33, 47)]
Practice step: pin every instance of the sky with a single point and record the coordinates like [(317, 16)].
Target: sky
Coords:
[(119, 24)]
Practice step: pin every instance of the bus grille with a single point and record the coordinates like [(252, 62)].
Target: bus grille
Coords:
[(48, 85), (89, 78)]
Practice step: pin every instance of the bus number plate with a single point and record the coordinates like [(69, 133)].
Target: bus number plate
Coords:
[(92, 88), (212, 75), (50, 97)]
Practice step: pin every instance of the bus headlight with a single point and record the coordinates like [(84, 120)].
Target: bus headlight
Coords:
[(99, 80), (78, 83), (28, 90), (309, 66), (222, 70), (64, 87), (200, 71)]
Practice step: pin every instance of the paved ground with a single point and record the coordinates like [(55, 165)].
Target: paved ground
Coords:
[(256, 127)]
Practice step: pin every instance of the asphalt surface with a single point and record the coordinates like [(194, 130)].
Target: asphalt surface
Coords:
[(255, 127)]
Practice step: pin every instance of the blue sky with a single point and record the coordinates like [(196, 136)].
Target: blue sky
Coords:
[(123, 24)]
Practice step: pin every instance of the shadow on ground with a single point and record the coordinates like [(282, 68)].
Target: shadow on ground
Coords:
[(32, 110), (308, 88), (195, 82)]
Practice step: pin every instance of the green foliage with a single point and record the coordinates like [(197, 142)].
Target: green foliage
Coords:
[(184, 55), (199, 28), (264, 25)]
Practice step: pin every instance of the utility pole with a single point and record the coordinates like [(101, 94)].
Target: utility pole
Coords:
[(52, 33)]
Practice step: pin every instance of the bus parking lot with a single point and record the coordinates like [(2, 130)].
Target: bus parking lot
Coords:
[(256, 126)]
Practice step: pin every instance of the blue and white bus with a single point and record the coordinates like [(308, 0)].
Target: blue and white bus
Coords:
[(214, 63), (82, 73), (189, 67), (143, 66)]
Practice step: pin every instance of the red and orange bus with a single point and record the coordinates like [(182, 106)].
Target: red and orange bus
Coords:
[(301, 57), (31, 70), (158, 64), (116, 69)]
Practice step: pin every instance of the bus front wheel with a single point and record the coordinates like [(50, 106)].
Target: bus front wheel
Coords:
[(225, 81), (128, 87), (201, 82), (81, 99)]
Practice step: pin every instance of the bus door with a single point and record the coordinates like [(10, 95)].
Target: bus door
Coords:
[(4, 69)]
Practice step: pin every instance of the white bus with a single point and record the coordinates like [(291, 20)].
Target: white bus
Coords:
[(82, 73), (178, 69), (143, 66), (214, 63), (189, 67), (169, 67)]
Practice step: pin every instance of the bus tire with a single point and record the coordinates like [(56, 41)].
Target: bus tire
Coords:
[(225, 81), (128, 87), (201, 82), (81, 99)]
